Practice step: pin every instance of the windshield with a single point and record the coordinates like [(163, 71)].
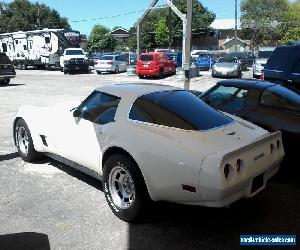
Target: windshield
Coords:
[(227, 60), (74, 52), (264, 54), (179, 109)]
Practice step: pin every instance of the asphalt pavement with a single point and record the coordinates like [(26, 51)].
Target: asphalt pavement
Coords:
[(47, 205)]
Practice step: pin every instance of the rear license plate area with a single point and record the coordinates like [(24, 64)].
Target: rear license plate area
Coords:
[(257, 183)]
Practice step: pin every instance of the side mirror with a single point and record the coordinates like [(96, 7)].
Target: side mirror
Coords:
[(76, 113)]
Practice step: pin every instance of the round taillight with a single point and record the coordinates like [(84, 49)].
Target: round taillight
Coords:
[(226, 170), (272, 148)]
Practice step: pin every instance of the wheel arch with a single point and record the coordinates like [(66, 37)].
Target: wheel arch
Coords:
[(118, 150)]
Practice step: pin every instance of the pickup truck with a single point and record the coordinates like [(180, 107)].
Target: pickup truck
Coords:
[(74, 59)]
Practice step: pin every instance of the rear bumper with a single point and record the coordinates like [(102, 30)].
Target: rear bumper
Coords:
[(148, 72), (104, 69), (245, 189), (6, 76)]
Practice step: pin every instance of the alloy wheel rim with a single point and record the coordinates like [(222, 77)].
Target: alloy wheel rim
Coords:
[(121, 187), (23, 141)]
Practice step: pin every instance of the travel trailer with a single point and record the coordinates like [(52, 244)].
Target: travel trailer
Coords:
[(39, 48)]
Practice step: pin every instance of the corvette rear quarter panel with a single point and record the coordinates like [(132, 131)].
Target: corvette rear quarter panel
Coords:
[(163, 161)]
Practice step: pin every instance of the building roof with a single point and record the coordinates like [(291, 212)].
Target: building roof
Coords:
[(231, 42), (119, 31), (224, 24)]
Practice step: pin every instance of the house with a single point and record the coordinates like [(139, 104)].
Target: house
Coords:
[(221, 37), (122, 35)]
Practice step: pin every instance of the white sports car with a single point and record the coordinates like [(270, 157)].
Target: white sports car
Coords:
[(152, 142)]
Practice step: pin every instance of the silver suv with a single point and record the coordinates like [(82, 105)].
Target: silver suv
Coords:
[(261, 59)]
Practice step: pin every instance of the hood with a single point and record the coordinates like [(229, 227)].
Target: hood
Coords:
[(225, 65)]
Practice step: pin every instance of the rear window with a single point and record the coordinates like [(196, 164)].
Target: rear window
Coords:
[(146, 57), (179, 109), (280, 58), (107, 58)]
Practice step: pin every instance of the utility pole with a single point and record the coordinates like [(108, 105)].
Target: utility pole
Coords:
[(187, 38), (170, 27), (235, 28), (38, 20)]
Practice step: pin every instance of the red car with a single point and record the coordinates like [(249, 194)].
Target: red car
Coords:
[(155, 64)]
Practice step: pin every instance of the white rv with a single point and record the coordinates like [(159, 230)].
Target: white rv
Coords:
[(40, 48)]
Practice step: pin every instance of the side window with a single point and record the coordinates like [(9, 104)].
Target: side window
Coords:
[(271, 99), (227, 98), (24, 47), (16, 41), (117, 58), (99, 108)]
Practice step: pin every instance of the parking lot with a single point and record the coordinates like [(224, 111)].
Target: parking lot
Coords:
[(61, 208)]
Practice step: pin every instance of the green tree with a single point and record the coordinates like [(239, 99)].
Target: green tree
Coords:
[(96, 36), (154, 28), (261, 21), (161, 34), (24, 15), (108, 42), (291, 26)]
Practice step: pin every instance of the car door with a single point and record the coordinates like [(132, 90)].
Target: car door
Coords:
[(121, 64), (83, 140)]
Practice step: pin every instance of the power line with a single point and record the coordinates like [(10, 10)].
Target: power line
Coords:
[(113, 16)]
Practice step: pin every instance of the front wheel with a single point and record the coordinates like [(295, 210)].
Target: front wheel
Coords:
[(124, 188), (24, 142), (5, 82)]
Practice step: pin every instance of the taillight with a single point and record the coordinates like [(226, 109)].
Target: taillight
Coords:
[(110, 62), (262, 77), (272, 148)]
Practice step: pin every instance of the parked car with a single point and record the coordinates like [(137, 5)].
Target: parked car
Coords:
[(245, 59), (150, 141), (227, 67), (110, 63), (205, 61), (77, 65), (155, 64), (79, 62), (261, 59), (269, 105), (176, 57), (7, 69), (283, 66)]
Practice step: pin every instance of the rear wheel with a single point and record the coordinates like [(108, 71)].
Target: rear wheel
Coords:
[(24, 142), (65, 71), (124, 188), (161, 73), (5, 82)]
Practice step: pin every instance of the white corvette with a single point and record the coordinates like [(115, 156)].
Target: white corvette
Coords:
[(148, 141)]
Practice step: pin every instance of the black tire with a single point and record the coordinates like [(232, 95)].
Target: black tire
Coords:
[(65, 71), (98, 72), (140, 76), (31, 154), (5, 82), (61, 69), (113, 192), (117, 71), (161, 73)]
